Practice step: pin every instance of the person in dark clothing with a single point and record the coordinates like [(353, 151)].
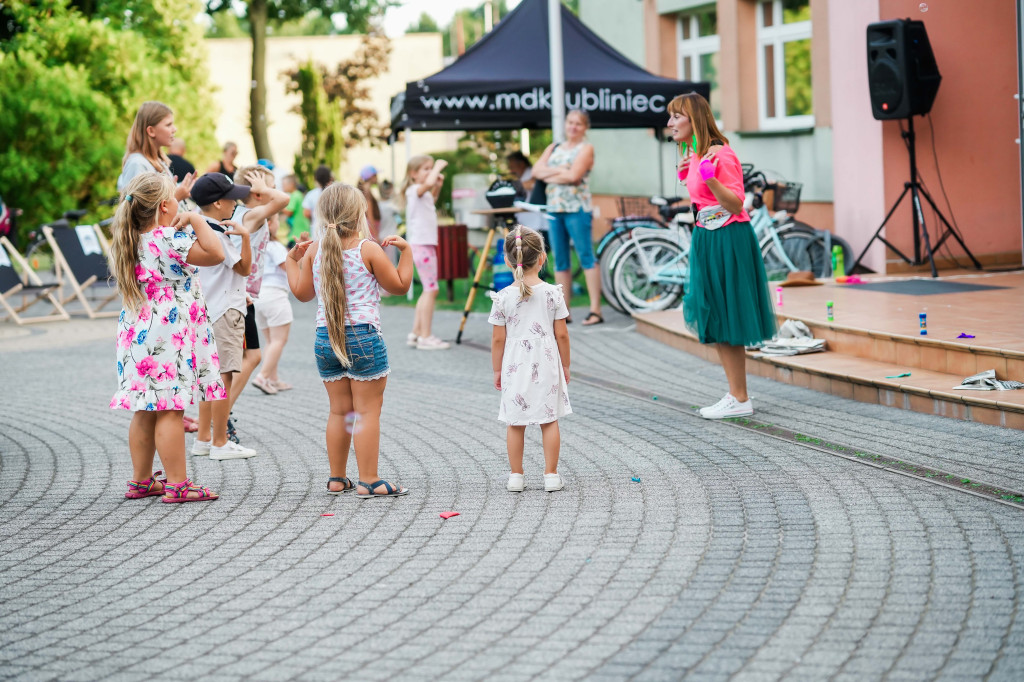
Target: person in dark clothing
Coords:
[(180, 167)]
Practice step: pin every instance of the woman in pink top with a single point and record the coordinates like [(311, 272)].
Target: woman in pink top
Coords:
[(727, 302)]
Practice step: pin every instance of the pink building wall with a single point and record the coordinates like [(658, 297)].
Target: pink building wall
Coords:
[(975, 119), (974, 116), (858, 184)]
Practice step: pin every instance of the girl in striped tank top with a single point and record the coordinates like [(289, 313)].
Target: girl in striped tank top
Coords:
[(344, 271)]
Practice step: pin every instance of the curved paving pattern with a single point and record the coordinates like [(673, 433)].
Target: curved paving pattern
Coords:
[(735, 557)]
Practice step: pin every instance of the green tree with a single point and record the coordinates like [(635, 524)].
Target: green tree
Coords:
[(358, 16), (70, 84), (337, 106), (425, 24)]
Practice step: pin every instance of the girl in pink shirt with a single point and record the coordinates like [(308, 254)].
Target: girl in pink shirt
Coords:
[(727, 302)]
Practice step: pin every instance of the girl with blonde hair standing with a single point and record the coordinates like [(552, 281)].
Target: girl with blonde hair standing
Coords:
[(152, 130), (530, 357), (167, 357), (345, 271)]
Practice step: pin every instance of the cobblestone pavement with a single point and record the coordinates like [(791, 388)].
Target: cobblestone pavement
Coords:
[(736, 556)]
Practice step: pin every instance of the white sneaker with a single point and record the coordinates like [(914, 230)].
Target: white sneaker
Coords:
[(516, 483), (231, 451), (727, 407), (552, 482), (201, 447), (432, 343), (411, 340)]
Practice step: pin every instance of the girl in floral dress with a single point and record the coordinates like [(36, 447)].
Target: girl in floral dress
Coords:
[(530, 356), (167, 357)]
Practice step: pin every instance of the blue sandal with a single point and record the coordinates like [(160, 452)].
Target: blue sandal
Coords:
[(392, 491), (346, 484)]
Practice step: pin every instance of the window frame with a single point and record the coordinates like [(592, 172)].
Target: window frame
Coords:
[(777, 35), (696, 46)]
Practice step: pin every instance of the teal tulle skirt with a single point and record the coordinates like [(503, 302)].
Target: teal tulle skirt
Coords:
[(728, 300)]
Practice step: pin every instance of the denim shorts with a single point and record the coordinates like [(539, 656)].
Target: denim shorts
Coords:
[(366, 350), (576, 226)]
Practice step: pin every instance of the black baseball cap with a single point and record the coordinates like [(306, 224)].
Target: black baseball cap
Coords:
[(216, 186)]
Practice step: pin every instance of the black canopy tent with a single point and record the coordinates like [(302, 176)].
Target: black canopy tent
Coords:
[(503, 82)]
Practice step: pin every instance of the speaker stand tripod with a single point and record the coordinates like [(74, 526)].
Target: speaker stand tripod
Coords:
[(920, 230)]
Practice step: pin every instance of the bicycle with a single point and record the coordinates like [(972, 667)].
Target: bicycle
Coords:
[(789, 245), (644, 261), (650, 272)]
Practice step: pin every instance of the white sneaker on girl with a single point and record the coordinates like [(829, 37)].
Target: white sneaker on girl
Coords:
[(552, 482), (432, 343), (411, 340), (231, 450), (727, 407), (516, 483)]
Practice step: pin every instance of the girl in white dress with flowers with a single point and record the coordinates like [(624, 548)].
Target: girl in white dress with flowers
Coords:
[(530, 356)]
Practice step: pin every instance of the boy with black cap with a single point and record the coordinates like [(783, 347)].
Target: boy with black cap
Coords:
[(224, 289)]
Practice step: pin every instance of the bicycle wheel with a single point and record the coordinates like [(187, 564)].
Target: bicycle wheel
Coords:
[(804, 249), (648, 275), (607, 249)]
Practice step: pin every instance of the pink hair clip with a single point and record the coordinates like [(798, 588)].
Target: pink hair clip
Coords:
[(519, 265)]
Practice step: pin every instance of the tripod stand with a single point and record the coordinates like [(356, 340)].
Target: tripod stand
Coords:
[(920, 230)]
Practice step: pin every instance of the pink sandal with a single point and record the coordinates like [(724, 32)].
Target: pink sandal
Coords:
[(138, 489), (179, 492)]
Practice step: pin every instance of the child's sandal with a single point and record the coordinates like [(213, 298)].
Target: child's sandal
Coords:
[(139, 489), (180, 492), (392, 491), (346, 485)]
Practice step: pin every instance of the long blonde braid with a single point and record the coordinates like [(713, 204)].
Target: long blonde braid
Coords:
[(523, 251), (136, 212), (343, 209)]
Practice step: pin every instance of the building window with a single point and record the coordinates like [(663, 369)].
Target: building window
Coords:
[(784, 64), (698, 50)]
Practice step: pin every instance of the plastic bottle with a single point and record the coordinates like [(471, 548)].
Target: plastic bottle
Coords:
[(923, 321), (830, 310), (502, 275), (778, 296), (838, 267)]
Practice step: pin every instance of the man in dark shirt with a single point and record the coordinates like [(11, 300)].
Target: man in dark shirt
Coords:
[(179, 166)]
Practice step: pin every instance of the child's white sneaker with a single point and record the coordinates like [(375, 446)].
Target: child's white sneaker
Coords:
[(411, 340), (516, 483), (201, 447), (552, 482), (432, 343), (727, 407), (231, 450)]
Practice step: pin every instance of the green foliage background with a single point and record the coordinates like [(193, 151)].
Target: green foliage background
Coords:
[(71, 80)]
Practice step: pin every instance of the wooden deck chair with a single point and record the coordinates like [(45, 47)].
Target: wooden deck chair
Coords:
[(83, 264), (28, 285)]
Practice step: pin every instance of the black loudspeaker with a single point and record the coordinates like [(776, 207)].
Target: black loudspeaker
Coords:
[(903, 77)]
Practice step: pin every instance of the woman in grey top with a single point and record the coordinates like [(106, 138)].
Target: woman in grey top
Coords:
[(566, 168), (152, 130)]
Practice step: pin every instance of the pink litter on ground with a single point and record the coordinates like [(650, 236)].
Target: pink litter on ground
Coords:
[(448, 515), (327, 515)]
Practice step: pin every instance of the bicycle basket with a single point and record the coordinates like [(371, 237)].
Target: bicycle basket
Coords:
[(786, 196), (635, 206)]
